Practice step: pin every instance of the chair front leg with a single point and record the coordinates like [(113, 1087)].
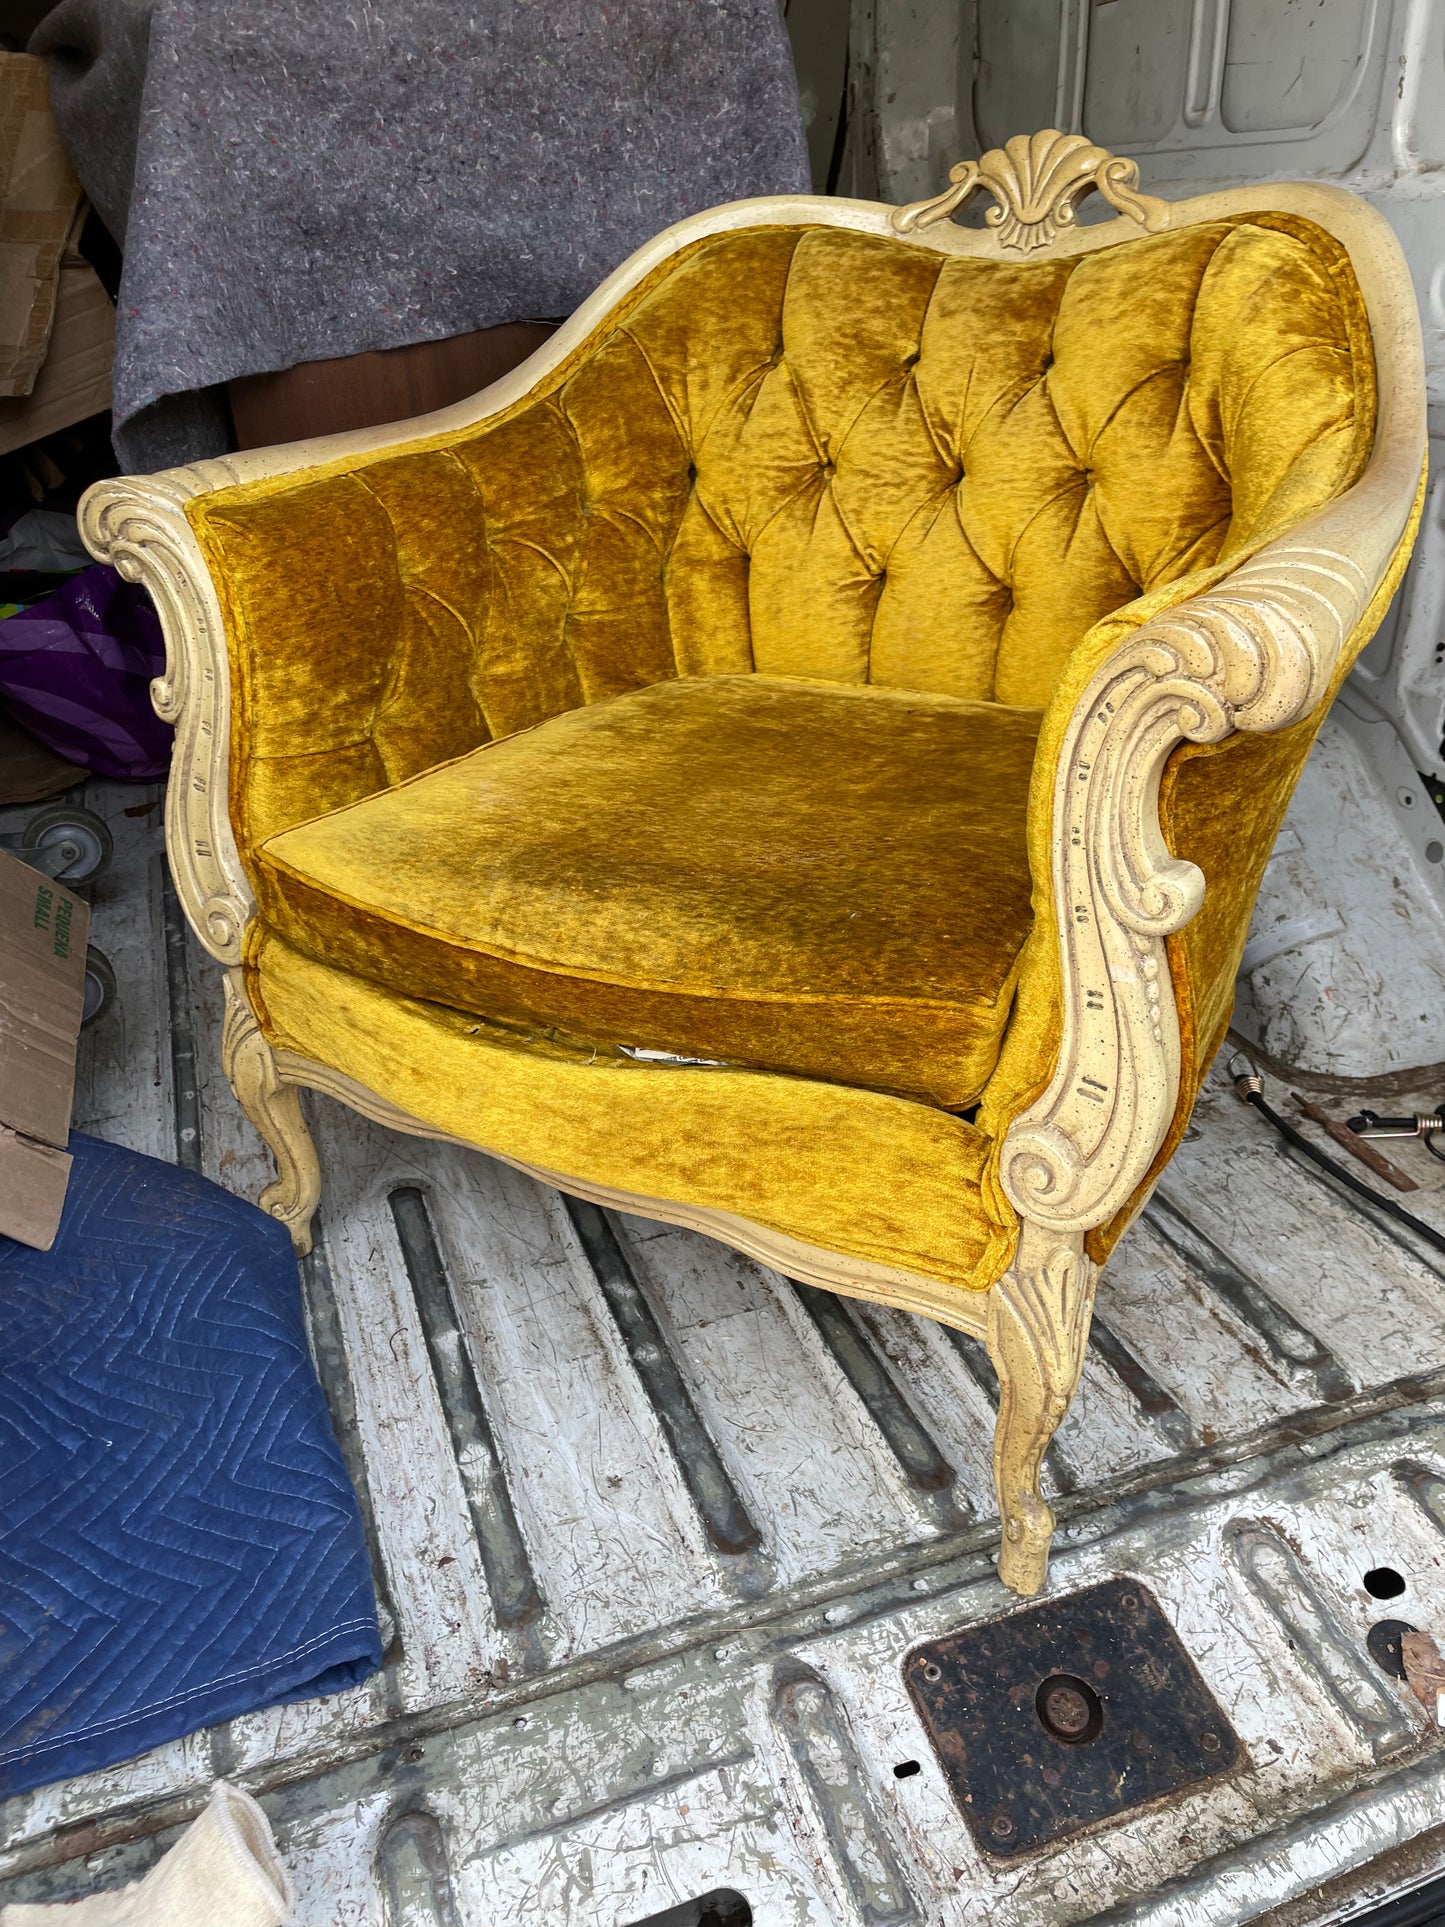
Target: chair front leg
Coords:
[(274, 1108), (1038, 1325)]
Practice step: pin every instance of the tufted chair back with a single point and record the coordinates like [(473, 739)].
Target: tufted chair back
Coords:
[(805, 451), (938, 474)]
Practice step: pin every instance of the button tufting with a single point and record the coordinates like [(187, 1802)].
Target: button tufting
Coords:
[(829, 470)]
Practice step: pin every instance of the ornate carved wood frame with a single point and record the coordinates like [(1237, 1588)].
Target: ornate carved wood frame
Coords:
[(1255, 653)]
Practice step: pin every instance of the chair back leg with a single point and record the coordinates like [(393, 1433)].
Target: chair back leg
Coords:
[(1038, 1325), (274, 1108)]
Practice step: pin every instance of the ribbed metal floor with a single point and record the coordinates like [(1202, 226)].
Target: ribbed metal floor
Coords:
[(652, 1528)]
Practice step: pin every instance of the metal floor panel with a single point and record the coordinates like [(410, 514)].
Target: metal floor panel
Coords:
[(655, 1527)]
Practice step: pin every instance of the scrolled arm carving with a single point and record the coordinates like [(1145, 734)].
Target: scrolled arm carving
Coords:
[(1257, 652), (139, 526), (1036, 180)]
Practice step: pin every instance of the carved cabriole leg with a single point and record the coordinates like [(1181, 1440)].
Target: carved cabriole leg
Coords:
[(275, 1109), (1038, 1323)]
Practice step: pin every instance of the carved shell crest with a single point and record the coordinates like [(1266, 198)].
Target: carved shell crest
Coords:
[(1036, 180)]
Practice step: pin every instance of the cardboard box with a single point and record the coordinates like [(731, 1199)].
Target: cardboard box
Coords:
[(57, 324), (39, 208), (74, 379), (42, 990)]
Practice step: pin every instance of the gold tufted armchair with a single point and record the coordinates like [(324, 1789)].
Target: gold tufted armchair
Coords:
[(796, 758)]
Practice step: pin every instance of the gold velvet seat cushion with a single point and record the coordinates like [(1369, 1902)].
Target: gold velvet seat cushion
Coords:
[(824, 879)]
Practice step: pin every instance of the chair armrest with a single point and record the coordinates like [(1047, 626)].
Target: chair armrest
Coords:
[(324, 637), (1258, 648), (341, 615), (309, 661), (138, 524), (300, 620), (1086, 1102)]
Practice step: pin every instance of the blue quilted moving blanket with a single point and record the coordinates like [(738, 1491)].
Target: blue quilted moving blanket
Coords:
[(179, 1542)]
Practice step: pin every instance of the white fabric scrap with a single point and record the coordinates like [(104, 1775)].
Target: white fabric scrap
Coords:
[(224, 1871)]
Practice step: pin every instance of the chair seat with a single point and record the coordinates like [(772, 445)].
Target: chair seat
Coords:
[(817, 878)]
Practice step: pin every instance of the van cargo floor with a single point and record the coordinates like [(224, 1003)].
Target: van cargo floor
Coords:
[(654, 1528)]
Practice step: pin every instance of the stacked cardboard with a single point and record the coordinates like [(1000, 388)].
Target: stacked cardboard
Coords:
[(57, 325), (42, 988)]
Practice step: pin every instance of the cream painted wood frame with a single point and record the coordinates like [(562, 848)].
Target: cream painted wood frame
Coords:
[(1254, 653)]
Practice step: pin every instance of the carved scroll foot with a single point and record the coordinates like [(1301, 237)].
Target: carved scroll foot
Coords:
[(1038, 1322), (274, 1108)]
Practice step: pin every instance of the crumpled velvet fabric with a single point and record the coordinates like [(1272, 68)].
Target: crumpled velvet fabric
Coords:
[(806, 453)]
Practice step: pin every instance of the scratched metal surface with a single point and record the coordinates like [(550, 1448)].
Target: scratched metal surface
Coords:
[(654, 1528)]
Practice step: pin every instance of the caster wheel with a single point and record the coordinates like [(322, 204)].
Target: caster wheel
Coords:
[(99, 985), (68, 842)]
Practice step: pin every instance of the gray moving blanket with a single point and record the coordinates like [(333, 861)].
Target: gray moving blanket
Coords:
[(309, 178)]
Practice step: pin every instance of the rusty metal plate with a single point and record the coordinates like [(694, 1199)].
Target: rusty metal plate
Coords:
[(1066, 1714)]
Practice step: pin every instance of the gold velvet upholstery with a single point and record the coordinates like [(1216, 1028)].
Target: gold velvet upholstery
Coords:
[(777, 572), (799, 451), (794, 1154), (823, 878)]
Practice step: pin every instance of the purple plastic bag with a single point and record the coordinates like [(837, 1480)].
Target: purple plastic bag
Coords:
[(76, 669)]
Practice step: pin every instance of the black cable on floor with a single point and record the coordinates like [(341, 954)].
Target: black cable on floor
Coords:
[(1248, 1088)]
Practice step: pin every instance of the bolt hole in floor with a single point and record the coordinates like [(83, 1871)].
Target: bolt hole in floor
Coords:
[(1070, 1709), (1383, 1582), (724, 1908), (906, 1769)]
